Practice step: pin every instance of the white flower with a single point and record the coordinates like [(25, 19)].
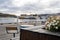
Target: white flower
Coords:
[(48, 25), (54, 20), (46, 22), (56, 23), (53, 24), (56, 27)]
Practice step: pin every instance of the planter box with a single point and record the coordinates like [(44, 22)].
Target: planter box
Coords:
[(32, 35)]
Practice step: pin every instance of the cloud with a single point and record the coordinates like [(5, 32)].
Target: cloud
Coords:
[(55, 4), (34, 6), (19, 3)]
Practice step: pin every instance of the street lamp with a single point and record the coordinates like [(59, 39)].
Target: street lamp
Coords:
[(18, 22), (18, 27)]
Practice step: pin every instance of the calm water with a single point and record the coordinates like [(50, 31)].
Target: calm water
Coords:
[(13, 20), (8, 20)]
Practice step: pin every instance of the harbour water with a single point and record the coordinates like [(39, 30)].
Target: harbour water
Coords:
[(8, 20), (14, 20)]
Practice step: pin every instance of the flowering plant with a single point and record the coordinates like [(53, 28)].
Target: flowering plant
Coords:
[(53, 23)]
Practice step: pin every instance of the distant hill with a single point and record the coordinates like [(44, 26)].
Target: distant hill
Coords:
[(7, 15)]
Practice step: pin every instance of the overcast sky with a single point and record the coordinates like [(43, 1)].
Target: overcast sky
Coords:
[(29, 6)]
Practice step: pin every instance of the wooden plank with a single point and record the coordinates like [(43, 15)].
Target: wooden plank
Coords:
[(11, 28)]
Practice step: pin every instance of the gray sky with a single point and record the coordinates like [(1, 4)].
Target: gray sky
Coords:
[(29, 6)]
